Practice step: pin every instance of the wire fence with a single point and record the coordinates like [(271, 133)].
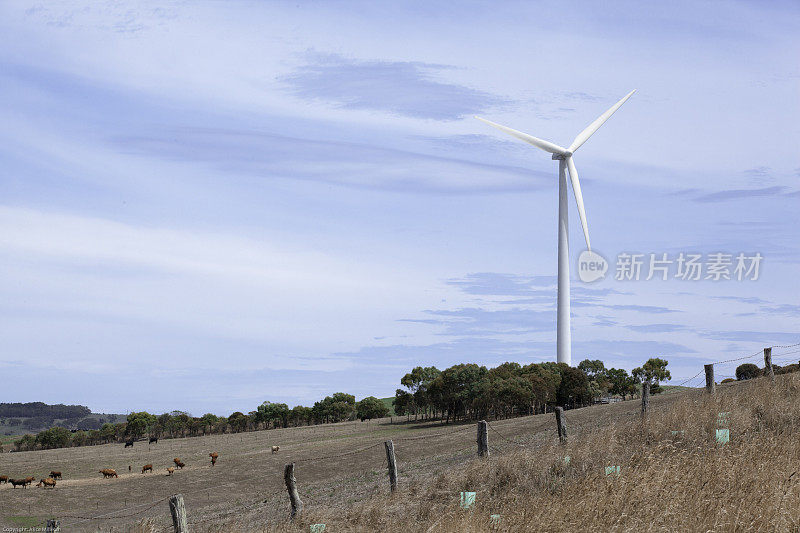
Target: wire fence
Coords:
[(112, 515), (777, 358), (504, 437)]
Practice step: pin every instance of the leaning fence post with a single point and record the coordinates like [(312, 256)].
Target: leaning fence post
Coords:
[(709, 377), (291, 487), (390, 460), (178, 510), (768, 363), (483, 439), (645, 397), (562, 425), (52, 525)]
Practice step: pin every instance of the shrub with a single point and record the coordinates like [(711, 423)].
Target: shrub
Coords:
[(747, 371), (371, 407), (55, 437)]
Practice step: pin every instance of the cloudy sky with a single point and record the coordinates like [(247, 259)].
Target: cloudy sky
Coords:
[(207, 205)]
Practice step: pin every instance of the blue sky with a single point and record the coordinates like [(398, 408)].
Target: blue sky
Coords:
[(207, 205)]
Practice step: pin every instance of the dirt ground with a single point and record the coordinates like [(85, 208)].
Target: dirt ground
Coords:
[(334, 463)]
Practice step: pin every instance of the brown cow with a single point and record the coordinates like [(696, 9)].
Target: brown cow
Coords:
[(47, 482), (180, 464), (213, 456), (176, 460), (275, 449), (108, 472), (3, 479), (23, 482), (55, 474), (170, 470), (30, 479), (146, 468)]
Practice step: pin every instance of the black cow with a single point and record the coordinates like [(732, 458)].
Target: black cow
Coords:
[(129, 443), (153, 440)]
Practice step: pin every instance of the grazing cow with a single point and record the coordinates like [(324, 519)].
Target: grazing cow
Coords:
[(153, 440), (108, 472), (180, 465), (47, 482), (213, 456), (146, 468), (176, 460), (55, 474), (3, 479), (24, 482), (275, 449), (170, 470), (129, 443)]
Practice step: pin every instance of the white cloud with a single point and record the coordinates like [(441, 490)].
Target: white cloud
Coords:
[(286, 295)]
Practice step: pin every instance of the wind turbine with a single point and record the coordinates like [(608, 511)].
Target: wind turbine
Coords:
[(565, 164)]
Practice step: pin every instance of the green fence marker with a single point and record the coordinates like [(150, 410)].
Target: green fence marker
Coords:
[(467, 500), (494, 519), (678, 433), (722, 418), (316, 528), (613, 470), (567, 459), (723, 436)]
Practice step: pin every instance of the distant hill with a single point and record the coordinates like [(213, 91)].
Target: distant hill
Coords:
[(32, 417), (388, 403)]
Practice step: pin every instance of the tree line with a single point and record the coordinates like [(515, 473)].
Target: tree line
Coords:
[(460, 392), (335, 408), (463, 391), (43, 410), (471, 391)]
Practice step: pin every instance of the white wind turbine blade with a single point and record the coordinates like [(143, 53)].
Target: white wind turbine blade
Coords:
[(594, 126), (576, 189), (530, 139)]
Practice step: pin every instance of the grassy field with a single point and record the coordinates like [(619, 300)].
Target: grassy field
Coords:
[(667, 483), (248, 473)]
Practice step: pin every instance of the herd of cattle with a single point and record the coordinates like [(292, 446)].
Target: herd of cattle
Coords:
[(44, 482), (50, 481)]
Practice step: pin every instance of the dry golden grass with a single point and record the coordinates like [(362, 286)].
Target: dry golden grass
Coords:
[(667, 483)]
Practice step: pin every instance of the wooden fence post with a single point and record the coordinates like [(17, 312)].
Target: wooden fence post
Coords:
[(53, 525), (291, 487), (645, 398), (178, 510), (768, 363), (390, 460), (562, 425), (483, 439), (709, 378)]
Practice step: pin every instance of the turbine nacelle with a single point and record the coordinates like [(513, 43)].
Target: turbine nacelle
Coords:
[(561, 157)]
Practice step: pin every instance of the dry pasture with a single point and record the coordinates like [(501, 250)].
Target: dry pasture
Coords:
[(337, 465)]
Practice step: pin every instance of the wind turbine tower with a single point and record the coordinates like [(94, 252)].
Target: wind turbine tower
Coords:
[(565, 165)]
